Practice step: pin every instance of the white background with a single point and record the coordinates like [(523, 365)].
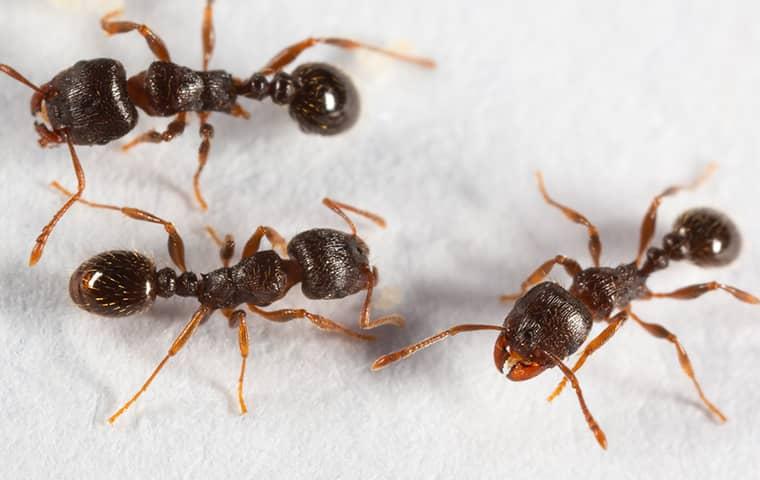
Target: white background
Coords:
[(612, 103)]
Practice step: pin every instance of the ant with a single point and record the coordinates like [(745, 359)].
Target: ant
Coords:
[(93, 102), (549, 323), (329, 264)]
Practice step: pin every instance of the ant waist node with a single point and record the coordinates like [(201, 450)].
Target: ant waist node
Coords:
[(169, 284)]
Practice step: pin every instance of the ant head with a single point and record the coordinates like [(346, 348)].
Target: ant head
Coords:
[(89, 100), (334, 263), (704, 236), (325, 100), (546, 319), (114, 284)]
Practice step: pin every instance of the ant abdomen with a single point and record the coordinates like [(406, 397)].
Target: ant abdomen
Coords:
[(704, 236), (334, 263), (89, 100), (325, 100), (114, 284)]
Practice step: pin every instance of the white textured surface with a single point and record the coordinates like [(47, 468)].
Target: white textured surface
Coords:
[(613, 103)]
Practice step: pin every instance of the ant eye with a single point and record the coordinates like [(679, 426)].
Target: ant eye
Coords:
[(326, 101)]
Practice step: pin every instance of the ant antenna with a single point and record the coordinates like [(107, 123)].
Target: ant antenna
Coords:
[(17, 76)]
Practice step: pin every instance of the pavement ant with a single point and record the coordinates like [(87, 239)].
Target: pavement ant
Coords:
[(329, 264), (548, 323), (93, 102)]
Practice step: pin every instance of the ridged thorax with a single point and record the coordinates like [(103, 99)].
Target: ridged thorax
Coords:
[(259, 280), (604, 289), (166, 89)]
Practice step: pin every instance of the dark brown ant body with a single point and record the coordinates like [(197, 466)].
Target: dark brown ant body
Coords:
[(549, 323), (93, 102), (329, 264)]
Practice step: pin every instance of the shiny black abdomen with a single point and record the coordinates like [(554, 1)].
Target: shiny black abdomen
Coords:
[(547, 318), (706, 237), (90, 100), (114, 284), (326, 101), (334, 263)]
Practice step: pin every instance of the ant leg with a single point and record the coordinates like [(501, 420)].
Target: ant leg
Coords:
[(364, 319), (321, 322), (39, 245), (175, 244), (650, 218), (614, 324), (198, 317), (289, 54), (207, 133), (237, 317), (338, 208), (174, 129), (661, 332), (594, 243), (156, 45), (406, 352), (207, 33), (694, 291), (571, 267), (595, 428), (239, 112), (253, 243), (226, 245)]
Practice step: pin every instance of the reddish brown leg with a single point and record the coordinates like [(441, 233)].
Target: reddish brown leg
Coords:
[(156, 45), (571, 267), (594, 243), (650, 218), (321, 322), (364, 318), (289, 54), (406, 352), (595, 428), (174, 129), (198, 317), (207, 133), (42, 239), (207, 33), (338, 208), (694, 291), (240, 112), (237, 318), (226, 245), (253, 243), (614, 324), (175, 244), (661, 332)]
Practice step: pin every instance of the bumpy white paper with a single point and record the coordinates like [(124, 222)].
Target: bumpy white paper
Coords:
[(613, 103)]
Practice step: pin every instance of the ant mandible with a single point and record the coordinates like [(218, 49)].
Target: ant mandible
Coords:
[(93, 102), (329, 264), (549, 323)]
